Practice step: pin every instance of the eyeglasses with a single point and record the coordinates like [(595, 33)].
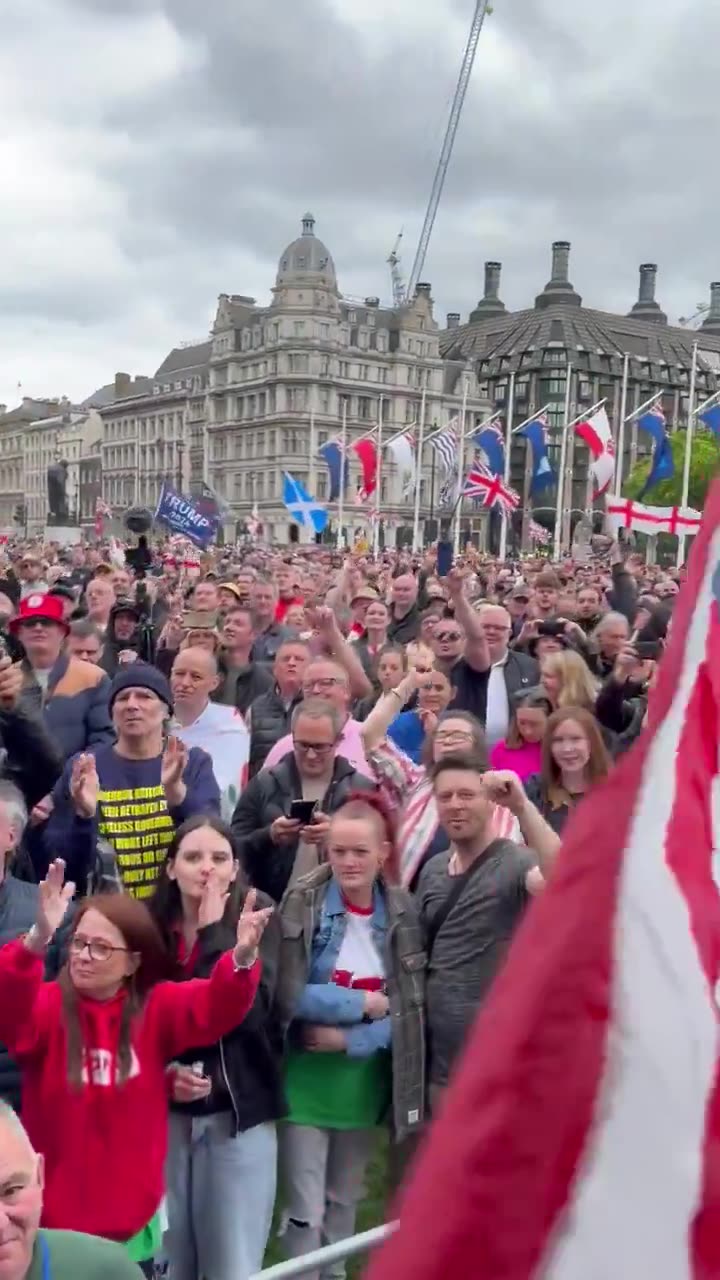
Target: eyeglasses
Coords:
[(96, 949), (448, 635), (320, 748), (454, 735), (324, 682)]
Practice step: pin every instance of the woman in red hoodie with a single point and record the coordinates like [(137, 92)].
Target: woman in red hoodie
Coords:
[(93, 1049)]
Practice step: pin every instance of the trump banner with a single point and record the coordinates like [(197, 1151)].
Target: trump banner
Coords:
[(580, 1138), (184, 516)]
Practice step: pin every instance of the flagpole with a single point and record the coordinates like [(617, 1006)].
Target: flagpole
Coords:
[(561, 469), (418, 476), (506, 470), (378, 480), (312, 471), (461, 467), (343, 464), (533, 416), (688, 450), (620, 455)]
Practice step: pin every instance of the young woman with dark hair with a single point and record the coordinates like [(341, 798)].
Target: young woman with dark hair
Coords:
[(225, 1094), (352, 989), (574, 757), (94, 1046)]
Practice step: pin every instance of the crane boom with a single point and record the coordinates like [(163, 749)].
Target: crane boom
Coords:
[(481, 10)]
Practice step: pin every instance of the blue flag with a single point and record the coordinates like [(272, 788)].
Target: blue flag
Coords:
[(653, 422), (339, 475), (185, 516), (711, 418), (491, 441), (663, 467), (543, 476), (304, 509)]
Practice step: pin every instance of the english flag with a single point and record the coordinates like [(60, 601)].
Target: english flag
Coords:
[(597, 434), (580, 1139)]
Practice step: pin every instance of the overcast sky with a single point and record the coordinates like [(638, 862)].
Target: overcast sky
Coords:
[(154, 153)]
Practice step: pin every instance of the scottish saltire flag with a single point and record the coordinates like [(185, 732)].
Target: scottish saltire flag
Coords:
[(185, 516), (586, 1144), (445, 445), (304, 509), (331, 453), (535, 432), (490, 440), (711, 418)]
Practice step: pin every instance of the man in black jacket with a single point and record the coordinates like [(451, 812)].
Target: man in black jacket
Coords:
[(28, 755), (275, 848), (269, 717)]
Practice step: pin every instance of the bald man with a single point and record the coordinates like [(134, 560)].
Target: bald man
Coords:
[(26, 1252), (219, 730)]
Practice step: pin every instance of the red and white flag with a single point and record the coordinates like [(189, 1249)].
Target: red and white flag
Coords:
[(366, 451), (623, 513), (597, 434), (580, 1139), (481, 483)]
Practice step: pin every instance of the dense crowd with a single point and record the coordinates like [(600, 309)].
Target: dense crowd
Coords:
[(269, 820)]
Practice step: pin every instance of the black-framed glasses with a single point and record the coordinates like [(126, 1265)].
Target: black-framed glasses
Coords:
[(95, 947), (320, 748)]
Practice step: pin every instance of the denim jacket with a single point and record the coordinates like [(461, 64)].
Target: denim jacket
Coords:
[(313, 922)]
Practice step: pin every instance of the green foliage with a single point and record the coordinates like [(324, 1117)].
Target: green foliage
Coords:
[(704, 466)]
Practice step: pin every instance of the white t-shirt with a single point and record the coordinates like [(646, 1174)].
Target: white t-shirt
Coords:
[(359, 963)]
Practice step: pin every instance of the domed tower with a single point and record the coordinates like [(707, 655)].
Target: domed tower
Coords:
[(306, 273)]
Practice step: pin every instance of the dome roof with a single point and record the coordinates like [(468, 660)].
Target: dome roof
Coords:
[(306, 256)]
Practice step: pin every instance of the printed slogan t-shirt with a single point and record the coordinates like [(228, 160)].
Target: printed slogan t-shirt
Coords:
[(133, 816)]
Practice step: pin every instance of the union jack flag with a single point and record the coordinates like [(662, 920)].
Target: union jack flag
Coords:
[(538, 534), (614, 1160), (481, 483)]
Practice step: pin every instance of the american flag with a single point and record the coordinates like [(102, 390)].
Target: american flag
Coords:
[(538, 534), (586, 1143), (445, 445), (481, 483)]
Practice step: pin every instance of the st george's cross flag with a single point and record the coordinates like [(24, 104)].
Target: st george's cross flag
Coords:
[(580, 1138)]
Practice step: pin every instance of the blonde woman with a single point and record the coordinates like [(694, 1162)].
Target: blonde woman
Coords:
[(567, 682)]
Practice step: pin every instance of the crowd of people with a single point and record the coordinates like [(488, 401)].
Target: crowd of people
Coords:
[(269, 819)]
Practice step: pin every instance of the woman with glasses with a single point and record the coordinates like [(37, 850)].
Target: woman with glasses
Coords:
[(407, 788), (225, 1095), (351, 986), (94, 1048)]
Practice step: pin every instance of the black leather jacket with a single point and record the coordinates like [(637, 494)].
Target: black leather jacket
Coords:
[(28, 755)]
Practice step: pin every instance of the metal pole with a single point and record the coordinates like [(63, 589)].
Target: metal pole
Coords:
[(461, 468), (505, 519), (378, 480), (620, 454), (312, 478), (561, 468), (418, 476), (341, 496), (322, 1258), (688, 450)]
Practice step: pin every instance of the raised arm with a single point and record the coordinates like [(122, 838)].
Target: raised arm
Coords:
[(26, 1002), (343, 653), (505, 788), (477, 654), (375, 727)]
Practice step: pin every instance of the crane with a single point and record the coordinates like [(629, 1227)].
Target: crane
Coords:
[(398, 286), (482, 9)]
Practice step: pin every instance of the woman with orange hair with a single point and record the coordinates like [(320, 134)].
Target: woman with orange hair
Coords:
[(352, 986)]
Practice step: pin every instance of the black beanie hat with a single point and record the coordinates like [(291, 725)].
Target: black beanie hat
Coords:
[(140, 675)]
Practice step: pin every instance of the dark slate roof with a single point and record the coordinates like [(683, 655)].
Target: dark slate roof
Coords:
[(100, 398), (186, 359), (598, 333)]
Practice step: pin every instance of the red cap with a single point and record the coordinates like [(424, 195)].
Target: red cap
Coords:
[(39, 605)]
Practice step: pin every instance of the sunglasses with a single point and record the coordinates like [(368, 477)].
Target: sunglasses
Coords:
[(448, 635)]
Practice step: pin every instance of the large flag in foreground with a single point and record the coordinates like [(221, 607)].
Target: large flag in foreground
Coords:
[(581, 1138)]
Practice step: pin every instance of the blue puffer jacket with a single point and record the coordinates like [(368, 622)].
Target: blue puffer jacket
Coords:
[(75, 707)]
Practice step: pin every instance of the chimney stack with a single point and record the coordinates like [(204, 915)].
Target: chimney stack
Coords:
[(423, 289), (123, 383), (646, 307), (452, 320), (711, 323), (559, 291), (490, 304)]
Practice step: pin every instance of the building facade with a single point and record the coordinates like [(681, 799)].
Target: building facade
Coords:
[(284, 378), (67, 436), (14, 424), (537, 346)]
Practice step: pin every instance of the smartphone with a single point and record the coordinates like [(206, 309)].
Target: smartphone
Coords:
[(649, 648), (444, 558), (303, 810)]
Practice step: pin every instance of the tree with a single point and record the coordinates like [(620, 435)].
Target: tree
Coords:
[(704, 466)]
